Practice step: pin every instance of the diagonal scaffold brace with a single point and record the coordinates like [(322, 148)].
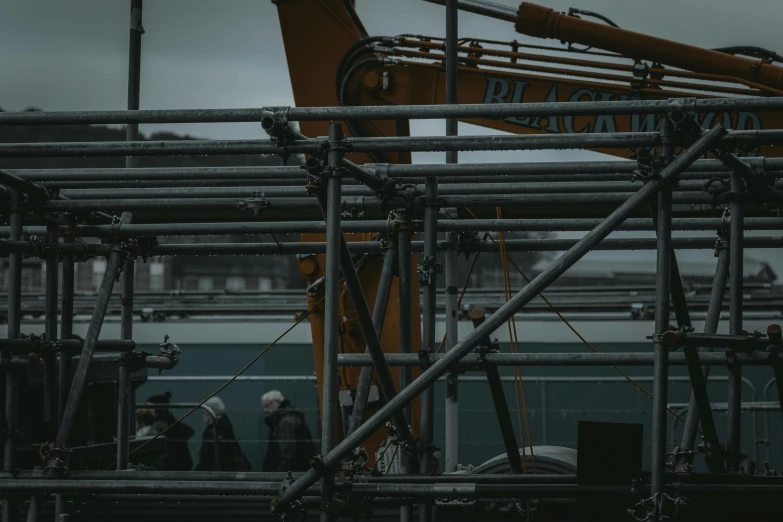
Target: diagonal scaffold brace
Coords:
[(371, 333), (473, 339)]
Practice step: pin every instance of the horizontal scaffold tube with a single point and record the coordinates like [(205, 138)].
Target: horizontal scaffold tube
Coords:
[(252, 249), (449, 225), (563, 359), (379, 144), (390, 170), (426, 112), (159, 487), (223, 476), (447, 189), (372, 203)]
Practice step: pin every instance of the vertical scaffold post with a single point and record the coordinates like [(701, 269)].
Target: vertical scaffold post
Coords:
[(429, 278), (332, 303), (662, 288), (451, 443), (14, 325), (124, 392), (52, 291), (736, 271), (124, 385), (404, 306)]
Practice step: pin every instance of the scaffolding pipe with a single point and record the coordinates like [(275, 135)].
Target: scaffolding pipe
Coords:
[(443, 225), (378, 317), (506, 311), (371, 144), (370, 203), (254, 249), (50, 359), (113, 264), (467, 186), (703, 167), (371, 335), (564, 359), (330, 388), (663, 282), (710, 326), (11, 412), (394, 112), (736, 270)]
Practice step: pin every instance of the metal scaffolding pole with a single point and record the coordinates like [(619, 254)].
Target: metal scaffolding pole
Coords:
[(623, 140), (79, 384), (50, 360), (394, 112), (124, 385), (372, 338), (662, 290), (710, 326), (429, 376), (451, 443), (14, 324), (562, 359), (736, 269), (499, 401), (451, 450), (356, 247), (404, 305), (378, 317), (331, 309), (377, 225)]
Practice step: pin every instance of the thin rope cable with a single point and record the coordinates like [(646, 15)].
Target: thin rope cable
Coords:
[(464, 289), (513, 325), (571, 327)]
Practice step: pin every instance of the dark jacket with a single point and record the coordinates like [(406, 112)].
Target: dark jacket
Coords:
[(177, 456), (290, 443), (231, 456)]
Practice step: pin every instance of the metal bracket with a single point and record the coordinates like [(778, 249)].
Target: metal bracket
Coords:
[(135, 23), (356, 462), (169, 350), (427, 269), (54, 457), (660, 506), (256, 204)]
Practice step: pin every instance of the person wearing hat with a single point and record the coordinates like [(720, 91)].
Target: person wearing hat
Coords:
[(219, 427), (177, 456)]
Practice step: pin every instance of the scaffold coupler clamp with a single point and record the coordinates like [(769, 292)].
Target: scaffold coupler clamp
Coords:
[(40, 248), (428, 269), (276, 126), (722, 241), (680, 460), (314, 167), (356, 462), (660, 506), (55, 459), (467, 242), (649, 165), (775, 339), (257, 203)]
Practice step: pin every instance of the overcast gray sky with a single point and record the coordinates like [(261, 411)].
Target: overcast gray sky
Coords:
[(71, 55)]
